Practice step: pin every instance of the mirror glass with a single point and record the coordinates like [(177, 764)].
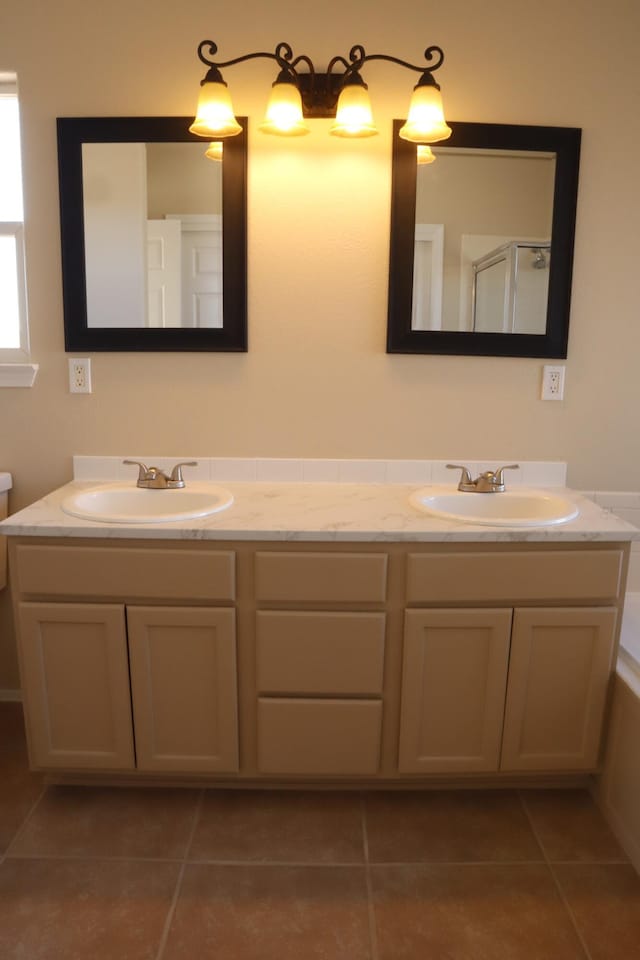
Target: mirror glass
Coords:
[(482, 241), (153, 236)]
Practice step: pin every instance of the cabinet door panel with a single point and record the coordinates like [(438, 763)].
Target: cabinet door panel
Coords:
[(453, 690), (75, 680), (184, 688), (559, 675)]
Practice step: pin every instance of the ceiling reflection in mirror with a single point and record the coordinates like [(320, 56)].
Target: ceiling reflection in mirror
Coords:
[(481, 242), (153, 227)]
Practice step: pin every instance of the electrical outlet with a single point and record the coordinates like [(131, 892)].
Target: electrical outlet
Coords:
[(79, 375), (552, 382)]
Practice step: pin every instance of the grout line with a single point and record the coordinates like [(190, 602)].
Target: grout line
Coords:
[(102, 858), (373, 930), (176, 893), (555, 879), (22, 826)]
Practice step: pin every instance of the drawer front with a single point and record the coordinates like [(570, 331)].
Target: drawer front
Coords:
[(125, 573), (589, 576), (319, 737), (321, 577), (320, 653)]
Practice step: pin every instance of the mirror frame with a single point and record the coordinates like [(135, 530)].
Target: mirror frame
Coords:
[(78, 335), (401, 338)]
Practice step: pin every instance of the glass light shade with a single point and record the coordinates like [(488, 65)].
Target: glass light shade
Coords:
[(353, 114), (425, 122), (214, 150), (284, 112), (424, 153), (215, 117)]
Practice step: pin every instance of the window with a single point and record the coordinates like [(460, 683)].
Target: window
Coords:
[(14, 337)]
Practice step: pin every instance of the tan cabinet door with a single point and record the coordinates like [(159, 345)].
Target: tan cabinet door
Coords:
[(453, 690), (184, 688), (558, 681), (75, 681)]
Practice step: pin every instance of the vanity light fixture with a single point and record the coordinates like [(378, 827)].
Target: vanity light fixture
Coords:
[(341, 92)]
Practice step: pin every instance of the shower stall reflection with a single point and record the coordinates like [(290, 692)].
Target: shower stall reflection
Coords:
[(510, 287)]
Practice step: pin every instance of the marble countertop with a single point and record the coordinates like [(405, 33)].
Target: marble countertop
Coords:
[(316, 512)]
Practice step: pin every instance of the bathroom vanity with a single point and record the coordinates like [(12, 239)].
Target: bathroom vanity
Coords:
[(323, 633)]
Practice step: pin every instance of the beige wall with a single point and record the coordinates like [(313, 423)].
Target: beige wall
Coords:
[(316, 380), (181, 180)]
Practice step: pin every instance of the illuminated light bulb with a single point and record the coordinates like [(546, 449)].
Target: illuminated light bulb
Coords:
[(425, 122), (284, 111), (215, 116), (353, 115), (214, 150), (424, 153)]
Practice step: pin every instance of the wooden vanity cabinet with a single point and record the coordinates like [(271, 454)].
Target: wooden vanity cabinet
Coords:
[(320, 662), (319, 666), (125, 686), (508, 689)]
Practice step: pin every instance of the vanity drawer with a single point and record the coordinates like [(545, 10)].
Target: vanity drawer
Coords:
[(125, 573), (563, 575), (316, 652), (321, 577), (324, 737)]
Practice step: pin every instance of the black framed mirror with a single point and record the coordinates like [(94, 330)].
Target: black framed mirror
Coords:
[(481, 249), (154, 236)]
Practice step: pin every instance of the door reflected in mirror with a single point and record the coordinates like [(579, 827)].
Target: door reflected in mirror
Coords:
[(153, 231), (152, 218), (482, 242)]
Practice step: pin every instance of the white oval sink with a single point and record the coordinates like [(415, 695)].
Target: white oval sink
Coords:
[(122, 503), (513, 508)]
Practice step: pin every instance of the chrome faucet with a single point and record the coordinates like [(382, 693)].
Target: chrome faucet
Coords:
[(491, 481), (153, 478)]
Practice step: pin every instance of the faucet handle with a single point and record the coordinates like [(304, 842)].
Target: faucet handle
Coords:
[(499, 479), (143, 470), (465, 476), (176, 474)]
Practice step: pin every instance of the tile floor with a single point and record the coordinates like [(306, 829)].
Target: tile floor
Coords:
[(124, 874)]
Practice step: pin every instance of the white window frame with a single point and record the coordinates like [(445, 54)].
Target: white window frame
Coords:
[(16, 370)]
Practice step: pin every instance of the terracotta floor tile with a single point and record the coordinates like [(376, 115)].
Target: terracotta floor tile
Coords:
[(19, 790), (293, 826), (74, 910), (570, 827), (12, 736), (270, 913), (104, 822), (471, 912), (605, 901), (463, 825)]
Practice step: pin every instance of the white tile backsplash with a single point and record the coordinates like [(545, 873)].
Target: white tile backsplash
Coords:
[(290, 469), (409, 471), (238, 469), (321, 471), (279, 471), (362, 471)]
